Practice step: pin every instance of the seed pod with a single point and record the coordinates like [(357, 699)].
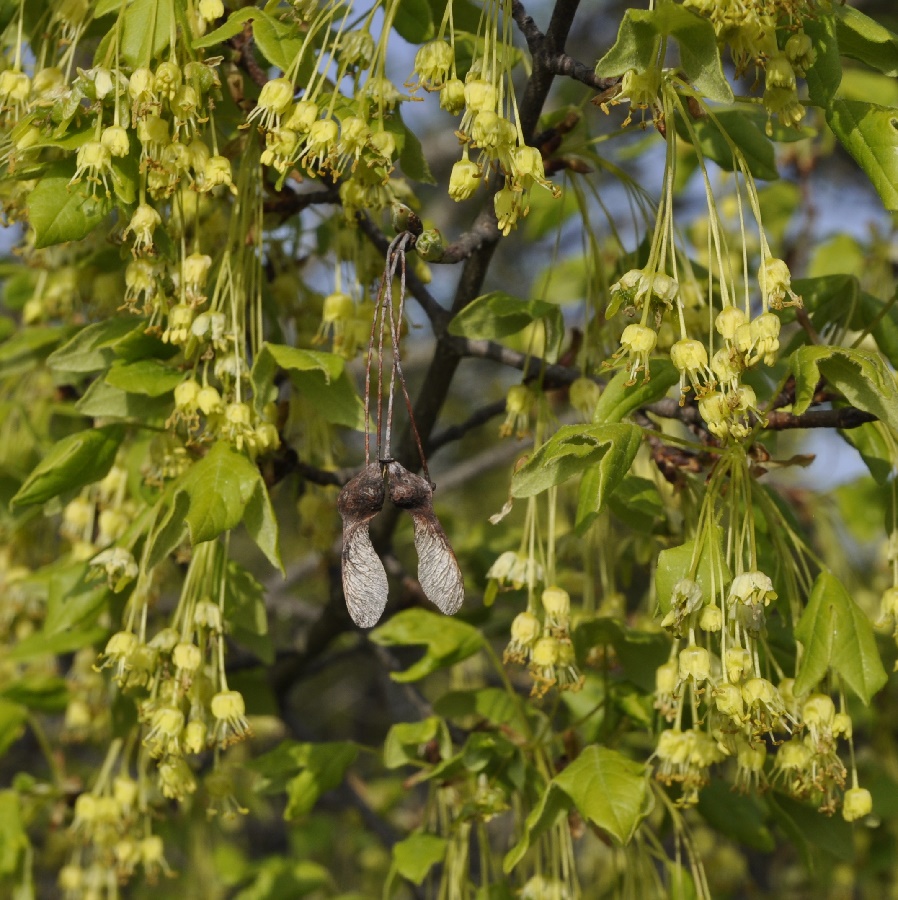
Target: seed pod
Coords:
[(438, 571), (364, 579)]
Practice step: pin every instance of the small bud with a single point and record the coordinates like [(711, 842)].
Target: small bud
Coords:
[(429, 245), (857, 803)]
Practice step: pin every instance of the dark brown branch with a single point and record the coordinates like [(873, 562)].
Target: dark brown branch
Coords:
[(438, 316), (552, 376), (556, 62), (844, 417), (475, 420), (246, 59)]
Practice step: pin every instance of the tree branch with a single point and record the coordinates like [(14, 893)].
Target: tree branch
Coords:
[(438, 316), (555, 62)]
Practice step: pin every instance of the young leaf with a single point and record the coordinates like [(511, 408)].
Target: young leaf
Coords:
[(231, 28), (756, 147), (448, 641), (405, 740), (75, 461), (573, 449), (869, 132), (835, 632), (414, 857), (92, 348), (497, 315), (148, 27), (323, 768), (637, 46), (147, 377), (220, 487), (862, 38), (601, 480), (825, 74), (414, 21), (59, 211), (676, 563), (619, 399), (608, 789), (860, 375)]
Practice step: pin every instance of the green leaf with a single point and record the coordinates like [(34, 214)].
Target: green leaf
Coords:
[(676, 564), (835, 631), (92, 348), (414, 21), (147, 28), (412, 159), (231, 28), (448, 641), (637, 502), (60, 212), (573, 449), (414, 857), (74, 600), (638, 43), (336, 401), (75, 461), (619, 399), (272, 357), (324, 766), (102, 400), (219, 486), (13, 837), (742, 131), (305, 771), (29, 346), (870, 134), (831, 834), (147, 377), (41, 644), (168, 531), (246, 614), (262, 525), (863, 38), (874, 444), (608, 789), (497, 315), (405, 741), (825, 74), (639, 653), (46, 693), (278, 41), (601, 480), (12, 723), (861, 376), (489, 704)]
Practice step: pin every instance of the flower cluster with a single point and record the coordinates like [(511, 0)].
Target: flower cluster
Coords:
[(178, 676), (752, 31), (727, 698), (545, 646)]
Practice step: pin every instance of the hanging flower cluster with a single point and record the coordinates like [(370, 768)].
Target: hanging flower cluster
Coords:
[(767, 34), (723, 691)]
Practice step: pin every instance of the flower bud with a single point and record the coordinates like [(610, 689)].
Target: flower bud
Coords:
[(728, 320), (857, 803), (452, 96), (695, 663), (429, 245), (115, 140), (525, 628)]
